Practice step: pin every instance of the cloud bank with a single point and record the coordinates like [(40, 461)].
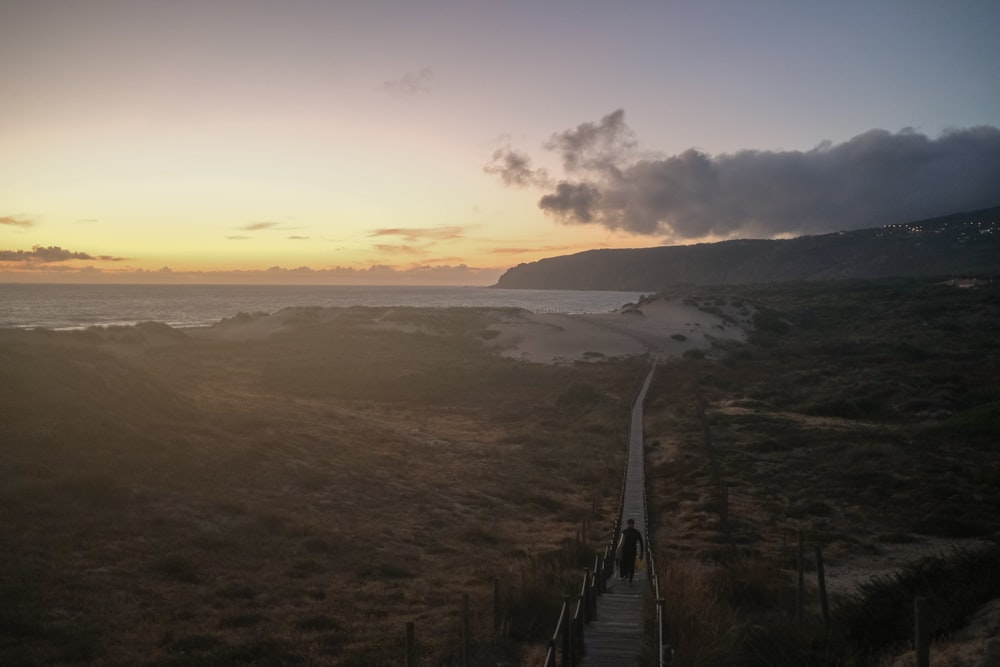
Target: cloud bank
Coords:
[(15, 221), (51, 254), (875, 178), (380, 274)]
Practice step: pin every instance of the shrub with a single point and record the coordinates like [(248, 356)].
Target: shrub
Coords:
[(316, 624), (242, 620), (177, 568), (384, 570), (880, 615)]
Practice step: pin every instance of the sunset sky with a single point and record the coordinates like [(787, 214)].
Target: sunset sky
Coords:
[(444, 142)]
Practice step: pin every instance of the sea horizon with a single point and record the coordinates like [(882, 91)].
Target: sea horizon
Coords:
[(68, 306)]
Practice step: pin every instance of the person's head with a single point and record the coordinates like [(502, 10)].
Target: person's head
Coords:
[(631, 523)]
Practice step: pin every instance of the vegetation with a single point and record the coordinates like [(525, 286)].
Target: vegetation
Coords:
[(960, 244), (859, 415), (297, 499)]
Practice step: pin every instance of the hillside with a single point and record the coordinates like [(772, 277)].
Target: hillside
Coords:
[(962, 244), (293, 488)]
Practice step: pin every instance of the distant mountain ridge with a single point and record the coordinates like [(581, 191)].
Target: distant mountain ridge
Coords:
[(957, 245)]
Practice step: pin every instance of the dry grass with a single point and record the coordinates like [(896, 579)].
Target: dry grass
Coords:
[(856, 415), (294, 501)]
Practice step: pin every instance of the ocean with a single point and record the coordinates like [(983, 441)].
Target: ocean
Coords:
[(51, 306)]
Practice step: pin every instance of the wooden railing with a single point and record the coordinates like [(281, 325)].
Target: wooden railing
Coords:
[(565, 648), (665, 652)]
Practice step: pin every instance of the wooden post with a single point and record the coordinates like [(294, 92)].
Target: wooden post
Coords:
[(725, 504), (496, 604), (578, 623), (921, 632), (661, 630), (567, 635), (411, 643), (465, 630), (801, 589), (821, 582)]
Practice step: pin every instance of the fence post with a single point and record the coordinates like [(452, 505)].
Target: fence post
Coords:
[(496, 604), (801, 589), (725, 504), (578, 624), (821, 582), (663, 648), (595, 587), (465, 630), (921, 632), (567, 636), (411, 642)]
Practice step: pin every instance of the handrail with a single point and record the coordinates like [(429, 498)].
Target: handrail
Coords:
[(665, 652), (569, 630)]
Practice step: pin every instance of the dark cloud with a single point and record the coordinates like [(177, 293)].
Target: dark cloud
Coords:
[(52, 254), (572, 201), (15, 221), (411, 83), (592, 146), (514, 168), (873, 179)]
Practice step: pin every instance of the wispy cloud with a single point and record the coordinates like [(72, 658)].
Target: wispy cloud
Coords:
[(297, 238), (52, 254), (514, 250), (398, 249), (16, 221), (239, 237), (415, 234), (873, 179), (259, 226), (411, 83)]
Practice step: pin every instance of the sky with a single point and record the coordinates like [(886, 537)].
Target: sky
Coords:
[(443, 142)]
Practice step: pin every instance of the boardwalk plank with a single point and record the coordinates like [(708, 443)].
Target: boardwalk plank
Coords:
[(614, 637)]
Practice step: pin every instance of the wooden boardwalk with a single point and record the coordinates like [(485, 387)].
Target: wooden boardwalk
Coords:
[(615, 637)]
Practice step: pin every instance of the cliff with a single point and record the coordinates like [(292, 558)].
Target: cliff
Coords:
[(962, 244)]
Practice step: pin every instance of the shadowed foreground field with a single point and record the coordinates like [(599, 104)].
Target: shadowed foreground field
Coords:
[(863, 416), (298, 495), (168, 499)]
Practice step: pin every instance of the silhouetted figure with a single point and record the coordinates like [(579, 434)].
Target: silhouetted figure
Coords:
[(628, 546)]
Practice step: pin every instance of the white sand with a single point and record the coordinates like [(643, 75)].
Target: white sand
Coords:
[(667, 328)]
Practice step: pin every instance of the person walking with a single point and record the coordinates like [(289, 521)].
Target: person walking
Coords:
[(630, 545)]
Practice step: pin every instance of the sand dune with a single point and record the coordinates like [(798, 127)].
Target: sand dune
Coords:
[(668, 328)]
